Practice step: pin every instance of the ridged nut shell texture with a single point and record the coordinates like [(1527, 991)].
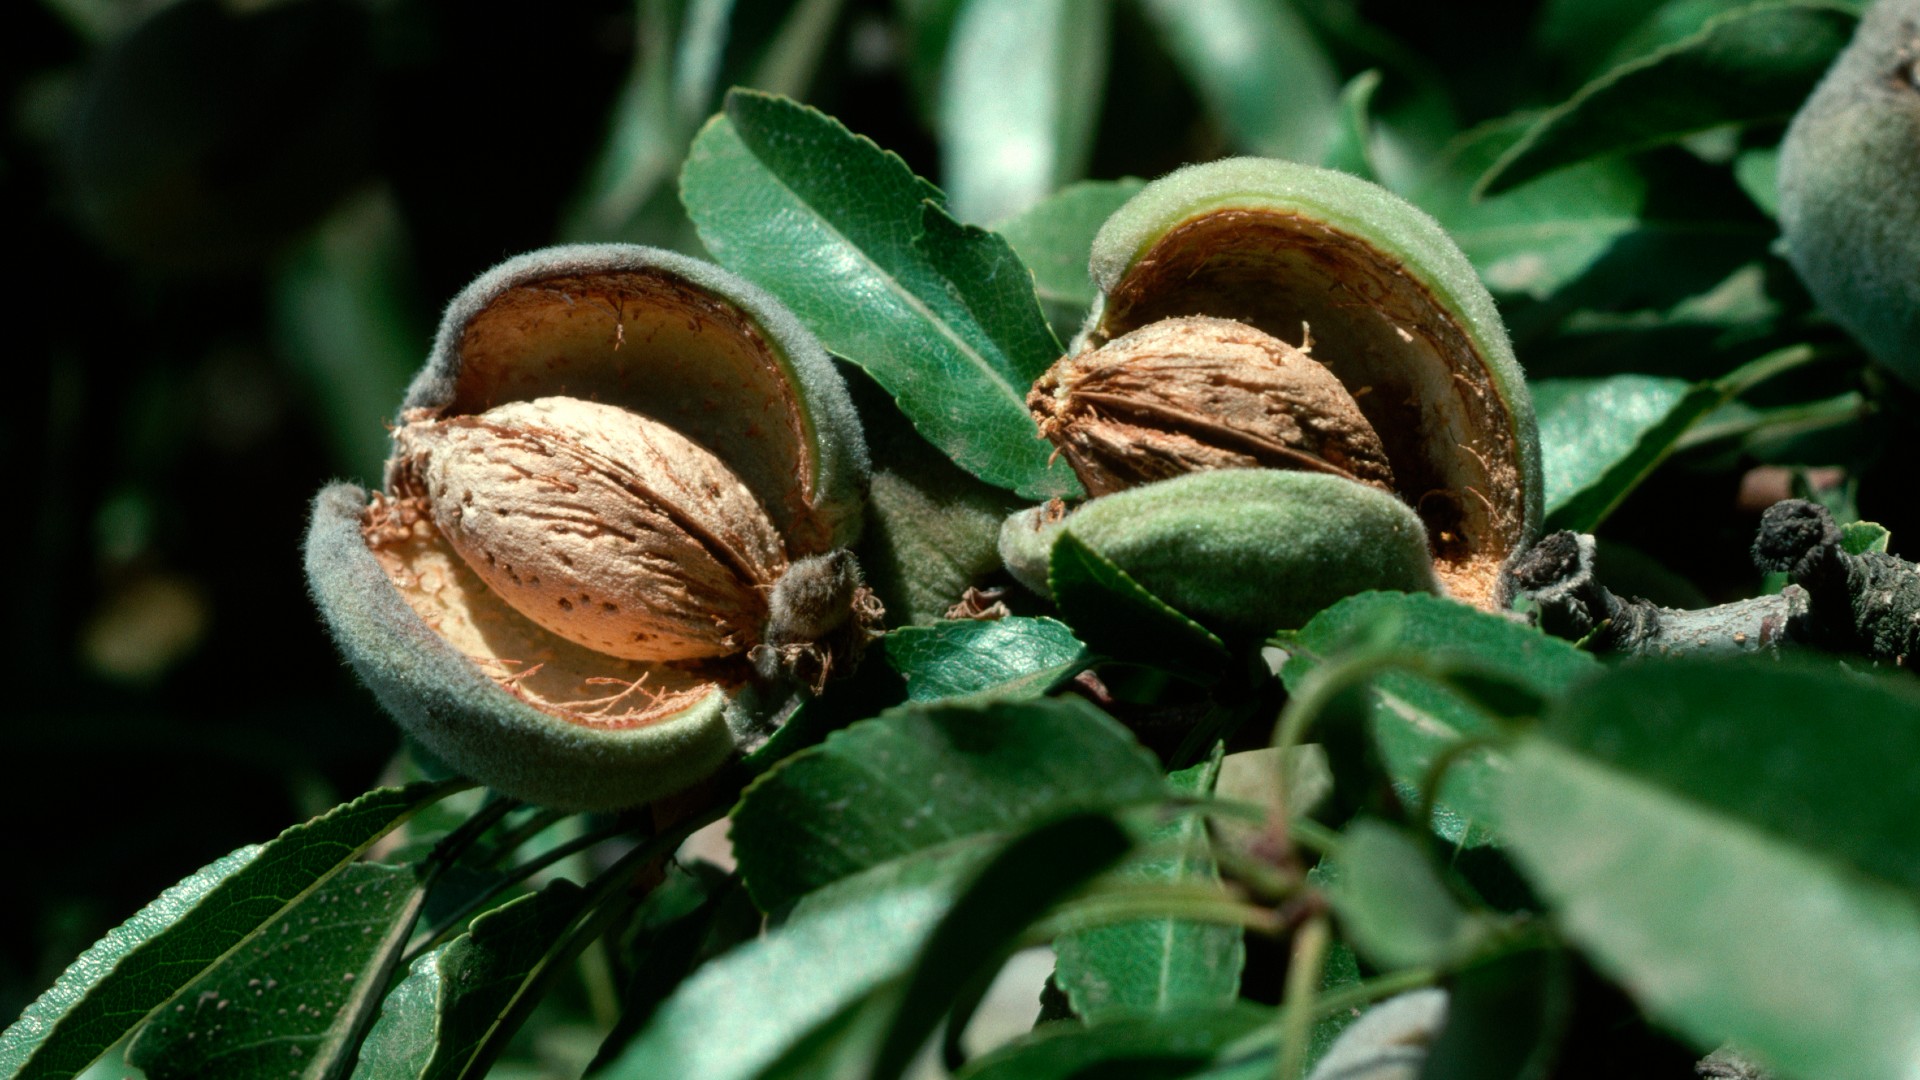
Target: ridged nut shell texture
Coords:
[(607, 443), (1393, 311), (1190, 394), (609, 529)]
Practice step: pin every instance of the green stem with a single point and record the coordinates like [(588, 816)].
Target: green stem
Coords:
[(1366, 993), (1145, 902), (1297, 1010), (510, 841), (1437, 770), (601, 906), (457, 842), (1786, 420), (518, 874), (1772, 365)]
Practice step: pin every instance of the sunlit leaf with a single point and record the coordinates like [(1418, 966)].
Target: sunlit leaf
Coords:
[(1259, 68), (1006, 658), (1752, 64), (1021, 95), (838, 229), (294, 998), (441, 1020), (1599, 438), (142, 964), (1734, 844), (927, 774), (1157, 964)]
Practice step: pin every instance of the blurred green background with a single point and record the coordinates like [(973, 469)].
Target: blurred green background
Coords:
[(234, 222)]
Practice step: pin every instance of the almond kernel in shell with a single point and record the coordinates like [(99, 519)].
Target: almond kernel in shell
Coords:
[(602, 526), (1191, 394)]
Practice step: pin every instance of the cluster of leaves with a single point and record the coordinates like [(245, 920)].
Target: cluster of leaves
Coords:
[(1234, 847)]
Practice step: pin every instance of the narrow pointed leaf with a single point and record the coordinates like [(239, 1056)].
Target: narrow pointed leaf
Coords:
[(1734, 844), (1117, 616), (1417, 720), (1157, 964), (1028, 876), (1260, 70), (831, 224), (139, 966), (294, 998), (925, 775), (1753, 64), (1055, 237), (1351, 149), (1019, 102), (445, 1012), (1599, 438), (1173, 1042), (979, 659), (1393, 905), (840, 945), (1537, 237)]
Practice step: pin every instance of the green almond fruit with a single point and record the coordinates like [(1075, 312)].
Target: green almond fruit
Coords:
[(1354, 279), (622, 486), (1243, 551), (1849, 193)]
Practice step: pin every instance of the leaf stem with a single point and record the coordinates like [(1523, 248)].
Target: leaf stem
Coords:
[(600, 907), (513, 877), (1785, 420), (1298, 1009), (1372, 990), (1768, 366)]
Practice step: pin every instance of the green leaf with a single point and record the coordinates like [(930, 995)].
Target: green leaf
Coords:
[(1116, 616), (1860, 537), (997, 293), (1417, 720), (1750, 65), (442, 1020), (143, 963), (1138, 1043), (1352, 148), (699, 912), (294, 998), (1505, 1018), (925, 775), (1157, 964), (841, 944), (1026, 878), (926, 26), (1599, 438), (1758, 174), (1260, 70), (341, 315), (1340, 972), (667, 93), (1539, 236), (1009, 658), (27, 1033), (1055, 237), (1393, 905), (1734, 843), (1019, 102), (832, 225)]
